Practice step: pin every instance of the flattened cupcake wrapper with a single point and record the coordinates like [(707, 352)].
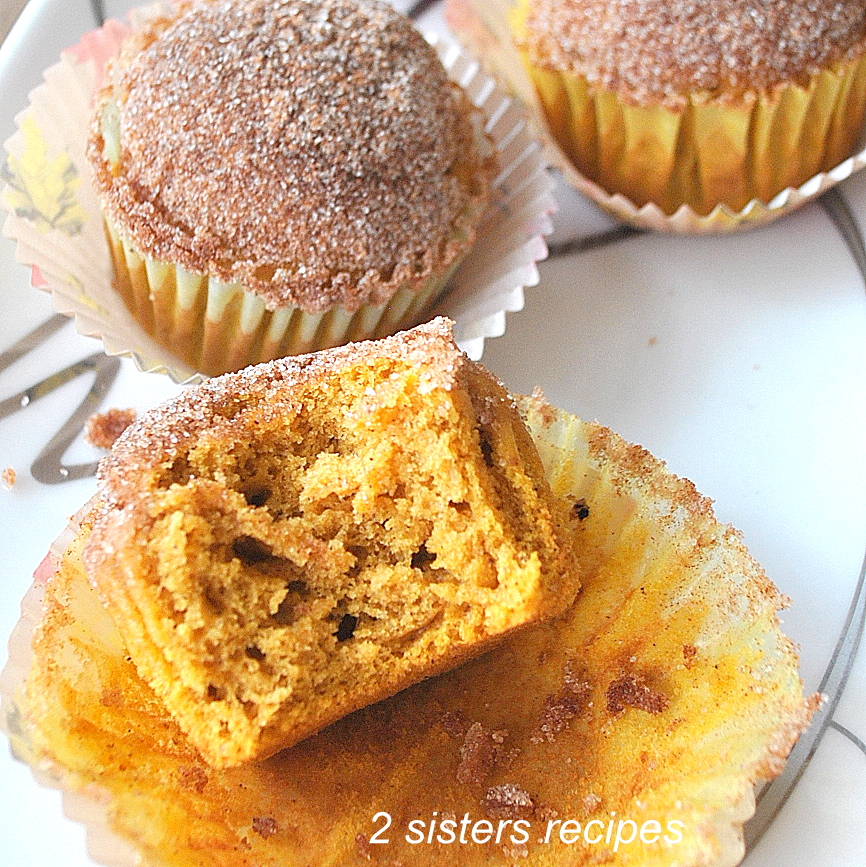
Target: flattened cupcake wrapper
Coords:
[(88, 805), (663, 697), (55, 218), (656, 157)]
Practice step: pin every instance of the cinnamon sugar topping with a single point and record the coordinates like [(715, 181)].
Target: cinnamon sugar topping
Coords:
[(103, 428), (661, 50), (508, 801), (192, 777), (159, 439), (480, 752), (632, 690), (265, 826), (689, 654), (313, 150), (363, 847), (562, 707), (455, 723)]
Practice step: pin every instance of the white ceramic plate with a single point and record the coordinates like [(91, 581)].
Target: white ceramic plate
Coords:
[(740, 360)]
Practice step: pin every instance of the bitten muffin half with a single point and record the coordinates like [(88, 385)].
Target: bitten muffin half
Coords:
[(284, 545), (280, 176)]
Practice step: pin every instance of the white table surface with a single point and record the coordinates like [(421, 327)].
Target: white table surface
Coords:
[(739, 360)]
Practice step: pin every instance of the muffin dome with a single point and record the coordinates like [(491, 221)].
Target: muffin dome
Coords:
[(718, 106), (650, 51), (312, 150)]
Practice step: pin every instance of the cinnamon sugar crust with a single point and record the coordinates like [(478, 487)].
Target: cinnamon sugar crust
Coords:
[(631, 690), (508, 801), (313, 150), (651, 51)]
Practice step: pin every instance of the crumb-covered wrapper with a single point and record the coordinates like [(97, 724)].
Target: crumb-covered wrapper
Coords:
[(652, 708), (709, 167), (56, 220)]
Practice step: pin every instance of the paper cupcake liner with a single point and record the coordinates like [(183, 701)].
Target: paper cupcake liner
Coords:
[(88, 805), (216, 327), (55, 218), (666, 590), (813, 119), (707, 152)]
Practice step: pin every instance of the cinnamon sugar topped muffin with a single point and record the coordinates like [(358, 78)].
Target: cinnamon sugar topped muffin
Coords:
[(661, 697), (312, 153), (699, 104), (662, 51)]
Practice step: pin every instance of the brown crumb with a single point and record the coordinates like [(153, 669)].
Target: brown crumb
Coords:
[(265, 826), (480, 752), (362, 845), (7, 477), (580, 510), (193, 777), (508, 801), (631, 690), (562, 707), (103, 428), (455, 723), (689, 653)]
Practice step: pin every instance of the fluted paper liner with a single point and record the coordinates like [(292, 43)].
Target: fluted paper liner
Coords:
[(55, 218), (651, 171), (660, 699)]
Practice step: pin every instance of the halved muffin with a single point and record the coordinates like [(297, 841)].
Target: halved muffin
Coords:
[(287, 544)]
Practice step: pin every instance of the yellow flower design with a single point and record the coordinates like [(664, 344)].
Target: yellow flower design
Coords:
[(41, 189)]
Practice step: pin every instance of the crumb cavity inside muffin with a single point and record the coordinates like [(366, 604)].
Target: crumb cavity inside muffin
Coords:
[(289, 544)]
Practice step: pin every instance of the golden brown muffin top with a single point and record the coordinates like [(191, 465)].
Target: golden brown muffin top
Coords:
[(314, 150), (662, 50), (157, 440)]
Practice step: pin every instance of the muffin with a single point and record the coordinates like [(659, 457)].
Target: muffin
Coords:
[(284, 545), (651, 707), (279, 177), (702, 105)]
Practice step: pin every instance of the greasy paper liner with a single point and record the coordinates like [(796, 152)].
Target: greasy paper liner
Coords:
[(669, 596), (55, 218), (486, 27)]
